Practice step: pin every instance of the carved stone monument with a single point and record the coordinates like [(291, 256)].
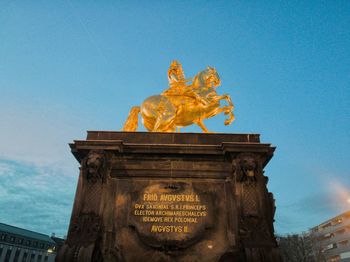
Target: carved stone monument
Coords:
[(171, 197)]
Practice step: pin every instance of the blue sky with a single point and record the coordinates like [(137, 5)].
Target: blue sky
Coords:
[(71, 66)]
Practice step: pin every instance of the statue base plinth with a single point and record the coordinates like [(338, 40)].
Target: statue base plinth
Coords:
[(171, 197)]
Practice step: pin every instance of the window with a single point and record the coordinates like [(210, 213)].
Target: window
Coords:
[(28, 242), (8, 255), (20, 240), (24, 258), (46, 258), (337, 220), (330, 246), (326, 225), (1, 249), (41, 245), (18, 251), (334, 258), (345, 255), (341, 231), (32, 256), (35, 244), (3, 237), (39, 258), (12, 239), (327, 236), (344, 243)]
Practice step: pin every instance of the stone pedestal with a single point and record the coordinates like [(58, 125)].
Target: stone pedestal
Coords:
[(171, 197)]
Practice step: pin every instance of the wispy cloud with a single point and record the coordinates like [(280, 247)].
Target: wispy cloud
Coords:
[(35, 198), (38, 174), (313, 209)]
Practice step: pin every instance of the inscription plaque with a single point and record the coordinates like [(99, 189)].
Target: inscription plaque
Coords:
[(170, 212)]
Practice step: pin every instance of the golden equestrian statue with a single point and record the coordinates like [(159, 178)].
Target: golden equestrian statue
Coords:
[(182, 104)]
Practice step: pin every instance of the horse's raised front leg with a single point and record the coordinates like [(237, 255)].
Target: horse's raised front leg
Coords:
[(217, 111), (228, 109), (231, 117)]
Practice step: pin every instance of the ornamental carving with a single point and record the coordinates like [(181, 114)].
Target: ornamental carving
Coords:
[(246, 167), (94, 166), (84, 229), (250, 201), (254, 228)]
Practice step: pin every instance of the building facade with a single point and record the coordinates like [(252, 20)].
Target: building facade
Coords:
[(21, 245), (332, 238)]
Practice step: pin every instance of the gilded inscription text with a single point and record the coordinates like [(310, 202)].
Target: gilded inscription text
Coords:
[(170, 213)]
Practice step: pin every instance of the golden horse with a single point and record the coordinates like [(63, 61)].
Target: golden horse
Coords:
[(165, 113)]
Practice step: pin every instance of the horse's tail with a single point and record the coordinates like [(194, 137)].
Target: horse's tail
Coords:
[(132, 121)]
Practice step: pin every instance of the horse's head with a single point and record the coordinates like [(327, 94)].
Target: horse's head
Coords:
[(209, 77), (212, 77)]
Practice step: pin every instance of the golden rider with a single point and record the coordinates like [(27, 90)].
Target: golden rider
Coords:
[(177, 83)]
